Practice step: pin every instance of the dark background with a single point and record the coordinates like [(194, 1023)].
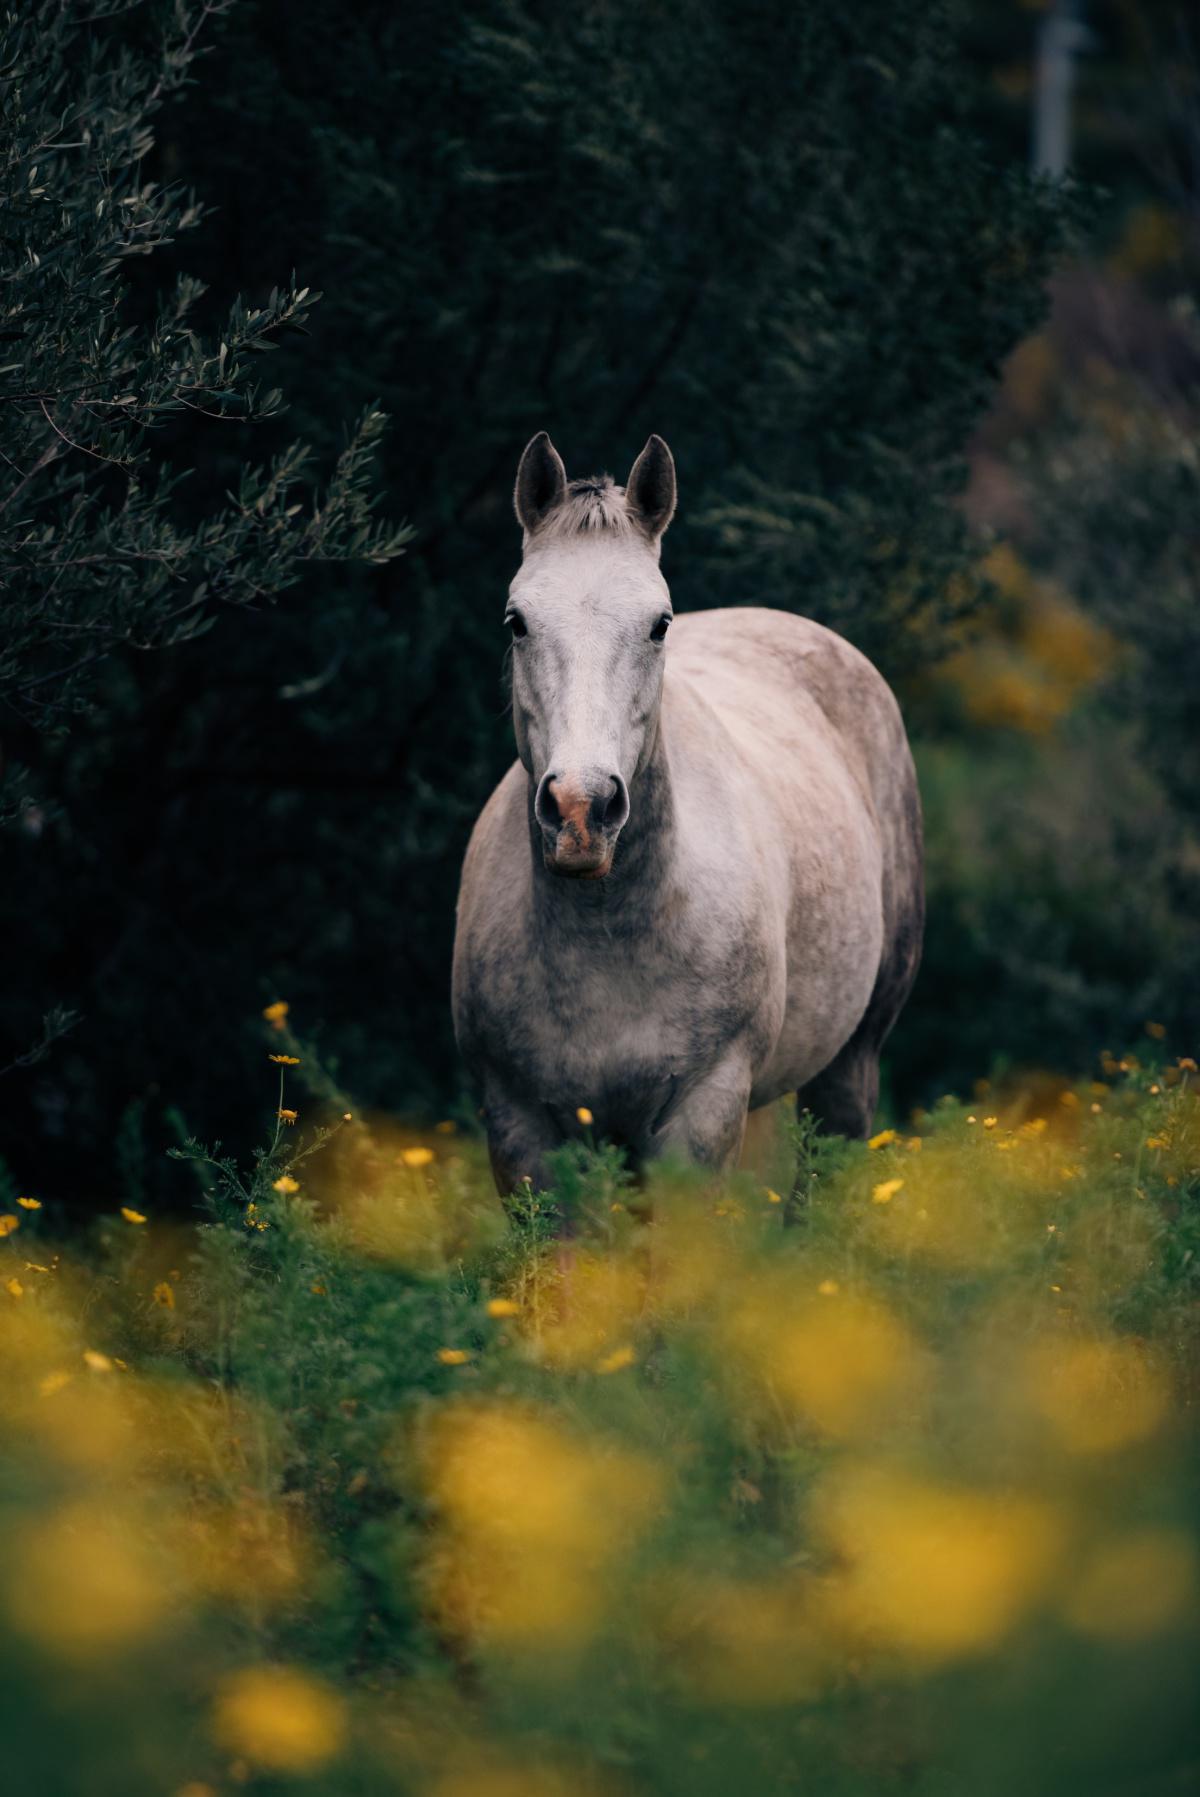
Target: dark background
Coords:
[(911, 391)]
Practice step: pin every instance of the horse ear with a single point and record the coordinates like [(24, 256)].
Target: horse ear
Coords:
[(541, 482), (650, 489)]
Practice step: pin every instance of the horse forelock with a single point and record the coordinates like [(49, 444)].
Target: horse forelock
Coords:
[(587, 507)]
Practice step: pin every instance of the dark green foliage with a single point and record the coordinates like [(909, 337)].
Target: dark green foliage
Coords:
[(96, 553), (770, 235)]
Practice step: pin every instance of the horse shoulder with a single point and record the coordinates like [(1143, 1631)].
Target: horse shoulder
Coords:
[(493, 912)]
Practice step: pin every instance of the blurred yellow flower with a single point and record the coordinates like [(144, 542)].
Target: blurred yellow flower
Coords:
[(616, 1361), (933, 1571), (317, 1289), (276, 1013), (99, 1363), (534, 1524), (883, 1139), (585, 1116), (52, 1383), (989, 1122), (279, 1719), (454, 1356), (164, 1294), (30, 1203), (417, 1157), (525, 1780), (843, 1365), (132, 1216), (14, 1288), (828, 1288), (886, 1190), (445, 1127), (773, 1197), (1187, 1064), (285, 1060), (287, 1116), (502, 1307), (285, 1184), (1134, 1585), (592, 1313), (87, 1582), (8, 1223), (1098, 1395)]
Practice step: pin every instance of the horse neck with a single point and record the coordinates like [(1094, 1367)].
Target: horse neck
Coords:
[(641, 867)]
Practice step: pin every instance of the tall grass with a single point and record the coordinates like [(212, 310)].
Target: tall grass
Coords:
[(362, 1487)]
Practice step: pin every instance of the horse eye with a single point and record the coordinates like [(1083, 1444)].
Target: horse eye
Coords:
[(517, 624), (660, 629)]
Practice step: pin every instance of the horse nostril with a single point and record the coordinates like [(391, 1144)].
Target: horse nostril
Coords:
[(616, 809), (545, 806)]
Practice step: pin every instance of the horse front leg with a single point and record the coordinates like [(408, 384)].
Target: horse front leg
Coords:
[(519, 1137), (707, 1123)]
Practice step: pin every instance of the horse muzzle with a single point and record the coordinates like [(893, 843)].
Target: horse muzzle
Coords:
[(581, 816)]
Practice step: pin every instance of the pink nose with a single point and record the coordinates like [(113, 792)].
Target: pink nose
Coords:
[(580, 816)]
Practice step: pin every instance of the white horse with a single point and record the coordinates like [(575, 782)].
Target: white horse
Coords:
[(700, 886)]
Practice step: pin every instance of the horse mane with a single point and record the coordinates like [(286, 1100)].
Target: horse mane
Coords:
[(596, 504)]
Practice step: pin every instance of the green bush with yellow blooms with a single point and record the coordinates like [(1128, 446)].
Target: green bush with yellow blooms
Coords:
[(361, 1485)]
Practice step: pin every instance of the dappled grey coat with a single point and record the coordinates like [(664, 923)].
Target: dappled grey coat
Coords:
[(700, 886)]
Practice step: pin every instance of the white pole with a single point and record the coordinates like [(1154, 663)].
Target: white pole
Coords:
[(1061, 35)]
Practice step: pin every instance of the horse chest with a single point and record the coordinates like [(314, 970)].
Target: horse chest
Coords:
[(620, 1017)]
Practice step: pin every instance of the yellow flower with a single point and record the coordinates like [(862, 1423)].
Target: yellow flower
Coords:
[(132, 1216), (417, 1157), (99, 1363), (30, 1203), (585, 1116), (616, 1361), (1157, 1142), (446, 1128), (287, 1116), (454, 1356), (8, 1223), (913, 1144), (883, 1139), (285, 1184), (317, 1289), (502, 1307), (53, 1382), (989, 1123), (886, 1191), (828, 1288), (285, 1060), (1157, 1030), (279, 1719), (14, 1288), (773, 1197), (1186, 1064), (276, 1013), (164, 1294)]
